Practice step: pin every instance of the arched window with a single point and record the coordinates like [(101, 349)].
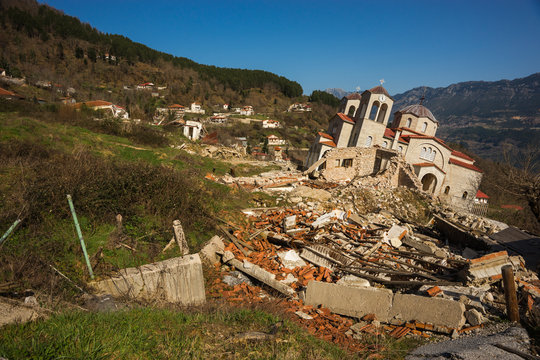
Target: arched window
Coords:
[(409, 122), (424, 127), (373, 111), (382, 113), (400, 149), (464, 196), (446, 190), (385, 144), (433, 155), (351, 111), (369, 140), (423, 153)]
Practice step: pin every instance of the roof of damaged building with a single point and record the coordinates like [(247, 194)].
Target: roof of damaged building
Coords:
[(354, 96), (345, 118), (465, 165), (461, 155), (418, 110)]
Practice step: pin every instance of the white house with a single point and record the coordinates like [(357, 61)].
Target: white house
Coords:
[(299, 107), (270, 124), (247, 110), (225, 106), (145, 86), (195, 108), (273, 140), (218, 119), (192, 130), (115, 110)]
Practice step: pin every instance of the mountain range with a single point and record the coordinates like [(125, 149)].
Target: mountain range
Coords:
[(483, 116)]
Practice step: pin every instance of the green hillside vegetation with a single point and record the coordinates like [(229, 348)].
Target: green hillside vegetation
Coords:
[(108, 169)]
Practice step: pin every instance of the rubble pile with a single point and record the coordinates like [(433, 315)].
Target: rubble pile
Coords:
[(344, 275)]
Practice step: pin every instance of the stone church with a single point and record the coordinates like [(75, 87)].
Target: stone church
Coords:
[(363, 123)]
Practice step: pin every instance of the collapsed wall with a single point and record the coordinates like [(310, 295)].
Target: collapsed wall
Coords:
[(346, 164)]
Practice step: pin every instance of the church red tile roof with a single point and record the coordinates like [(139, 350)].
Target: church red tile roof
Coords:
[(465, 165), (354, 96), (321, 134), (345, 118), (461, 155), (379, 90), (329, 143)]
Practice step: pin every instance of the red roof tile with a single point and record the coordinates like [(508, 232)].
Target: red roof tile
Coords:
[(481, 195), (329, 143), (461, 155), (321, 134), (465, 165), (345, 118), (4, 92), (389, 133)]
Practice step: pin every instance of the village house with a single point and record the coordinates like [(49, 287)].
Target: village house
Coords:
[(225, 106), (247, 110), (481, 198), (192, 130), (145, 86), (298, 107), (273, 140), (218, 119), (115, 111), (362, 122), (270, 124), (172, 112), (195, 108)]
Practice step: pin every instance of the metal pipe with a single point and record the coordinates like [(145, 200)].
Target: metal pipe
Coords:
[(11, 228), (79, 233)]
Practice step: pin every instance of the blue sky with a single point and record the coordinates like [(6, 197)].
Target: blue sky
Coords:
[(342, 44)]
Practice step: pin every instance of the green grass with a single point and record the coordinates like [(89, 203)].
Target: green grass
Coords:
[(144, 333)]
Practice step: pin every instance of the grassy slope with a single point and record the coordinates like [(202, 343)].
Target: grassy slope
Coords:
[(160, 334), (43, 159)]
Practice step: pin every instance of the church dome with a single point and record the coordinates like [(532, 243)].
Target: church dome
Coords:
[(379, 90), (418, 110), (354, 96)]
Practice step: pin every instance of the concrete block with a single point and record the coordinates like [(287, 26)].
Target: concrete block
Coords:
[(212, 248), (350, 301), (177, 280), (440, 312)]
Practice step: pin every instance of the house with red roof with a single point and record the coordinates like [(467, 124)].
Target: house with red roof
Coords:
[(363, 121), (481, 198)]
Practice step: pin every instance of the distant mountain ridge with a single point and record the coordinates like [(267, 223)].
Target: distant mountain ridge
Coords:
[(337, 92), (483, 115)]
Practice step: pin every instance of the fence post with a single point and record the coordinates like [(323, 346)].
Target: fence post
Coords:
[(79, 233), (11, 228)]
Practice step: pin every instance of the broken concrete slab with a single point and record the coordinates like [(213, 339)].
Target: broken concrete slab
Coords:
[(311, 193), (177, 280), (290, 259), (488, 265), (263, 276), (436, 311), (350, 301), (353, 281), (289, 222), (213, 248)]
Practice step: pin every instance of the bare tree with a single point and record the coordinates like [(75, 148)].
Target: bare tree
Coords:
[(522, 172)]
